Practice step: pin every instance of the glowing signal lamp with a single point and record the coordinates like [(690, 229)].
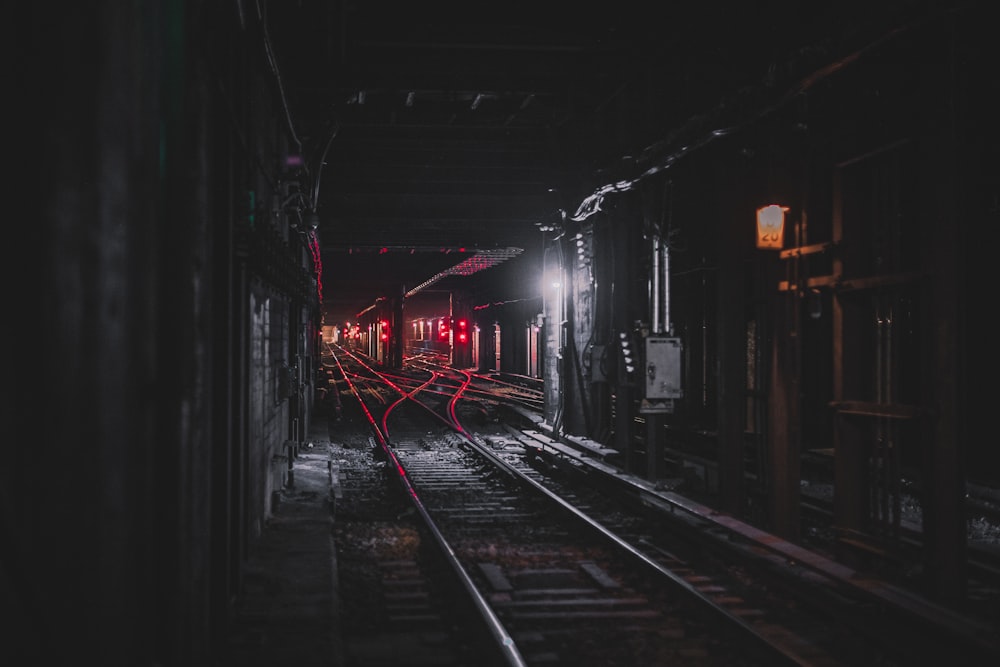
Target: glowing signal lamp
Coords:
[(628, 354), (463, 335), (771, 227)]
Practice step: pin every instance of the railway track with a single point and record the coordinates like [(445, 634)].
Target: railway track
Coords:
[(564, 565)]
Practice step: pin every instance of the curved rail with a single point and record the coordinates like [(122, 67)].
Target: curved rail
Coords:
[(509, 649), (453, 422), (750, 632), (451, 386)]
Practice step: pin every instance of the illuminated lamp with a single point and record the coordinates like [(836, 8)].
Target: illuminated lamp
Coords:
[(628, 355), (771, 227), (462, 333)]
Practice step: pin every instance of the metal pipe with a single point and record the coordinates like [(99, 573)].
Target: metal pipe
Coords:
[(654, 296), (668, 327)]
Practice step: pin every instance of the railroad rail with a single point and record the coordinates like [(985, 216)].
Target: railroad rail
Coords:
[(566, 560)]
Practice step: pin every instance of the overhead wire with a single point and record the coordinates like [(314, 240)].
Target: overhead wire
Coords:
[(311, 202), (269, 52), (319, 168)]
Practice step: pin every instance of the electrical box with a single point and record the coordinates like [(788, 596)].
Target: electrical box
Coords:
[(663, 368)]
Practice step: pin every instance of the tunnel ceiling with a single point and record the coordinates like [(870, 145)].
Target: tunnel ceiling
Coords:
[(444, 128), (434, 130)]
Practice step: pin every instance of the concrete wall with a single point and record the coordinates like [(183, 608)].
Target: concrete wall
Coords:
[(269, 410), (140, 411)]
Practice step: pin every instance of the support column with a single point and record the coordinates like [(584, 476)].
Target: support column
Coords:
[(396, 329), (784, 460), (625, 427), (461, 329), (944, 504), (731, 346), (784, 410), (487, 344), (851, 450), (655, 437)]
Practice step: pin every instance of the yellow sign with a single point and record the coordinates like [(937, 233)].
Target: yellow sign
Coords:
[(771, 227)]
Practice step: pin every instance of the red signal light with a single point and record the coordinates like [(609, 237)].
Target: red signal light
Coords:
[(460, 326)]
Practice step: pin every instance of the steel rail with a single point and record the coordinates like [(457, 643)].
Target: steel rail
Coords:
[(781, 649), (509, 649)]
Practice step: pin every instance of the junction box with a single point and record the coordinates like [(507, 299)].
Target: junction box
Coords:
[(662, 369)]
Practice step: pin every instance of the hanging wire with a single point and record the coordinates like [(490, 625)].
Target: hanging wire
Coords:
[(269, 51), (314, 202)]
